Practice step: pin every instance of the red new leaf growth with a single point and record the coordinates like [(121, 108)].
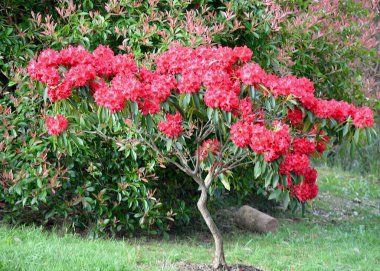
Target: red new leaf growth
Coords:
[(210, 145)]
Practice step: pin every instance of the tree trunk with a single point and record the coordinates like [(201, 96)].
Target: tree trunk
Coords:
[(219, 261)]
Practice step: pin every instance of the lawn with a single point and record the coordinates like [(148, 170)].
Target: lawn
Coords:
[(341, 231)]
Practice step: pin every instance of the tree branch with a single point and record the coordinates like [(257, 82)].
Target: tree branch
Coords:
[(151, 144), (235, 166), (118, 141)]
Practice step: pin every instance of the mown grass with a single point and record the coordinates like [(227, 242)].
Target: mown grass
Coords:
[(341, 231)]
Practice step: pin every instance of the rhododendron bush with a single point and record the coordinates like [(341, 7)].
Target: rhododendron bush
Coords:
[(206, 110)]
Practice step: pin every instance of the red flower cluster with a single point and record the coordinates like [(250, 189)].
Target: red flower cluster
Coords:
[(252, 74), (304, 146), (297, 162), (272, 144), (217, 74), (209, 145), (295, 116), (305, 191), (221, 70), (211, 67), (77, 61), (241, 133), (172, 126), (363, 117), (56, 125), (303, 90), (308, 189)]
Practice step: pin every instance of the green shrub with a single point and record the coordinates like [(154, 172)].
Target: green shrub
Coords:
[(285, 38), (94, 190)]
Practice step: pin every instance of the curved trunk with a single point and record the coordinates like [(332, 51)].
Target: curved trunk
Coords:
[(219, 261)]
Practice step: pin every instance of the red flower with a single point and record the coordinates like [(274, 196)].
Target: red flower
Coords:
[(56, 125), (243, 53), (241, 134), (304, 146), (310, 176), (320, 147), (108, 97), (305, 191), (72, 56), (252, 74), (272, 144), (295, 162), (295, 116), (104, 60), (363, 117), (172, 126)]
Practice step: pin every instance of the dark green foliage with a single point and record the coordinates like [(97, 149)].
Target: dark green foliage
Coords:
[(93, 190)]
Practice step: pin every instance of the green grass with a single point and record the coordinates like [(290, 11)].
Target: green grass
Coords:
[(338, 233)]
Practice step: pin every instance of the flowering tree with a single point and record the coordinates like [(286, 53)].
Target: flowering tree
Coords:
[(207, 111)]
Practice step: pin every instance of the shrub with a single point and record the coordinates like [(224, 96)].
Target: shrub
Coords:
[(206, 111), (336, 59), (48, 181)]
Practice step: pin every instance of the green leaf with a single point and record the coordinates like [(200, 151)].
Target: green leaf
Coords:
[(345, 129), (216, 117), (257, 170), (11, 83), (368, 135), (286, 200), (134, 155), (273, 101), (252, 93), (268, 105), (179, 146), (229, 117), (210, 111), (39, 183), (210, 158), (149, 123), (310, 115), (225, 182), (276, 178), (356, 136), (196, 101), (186, 100), (64, 136), (69, 149), (110, 122), (275, 194), (263, 167), (135, 108), (146, 205), (169, 144), (268, 180)]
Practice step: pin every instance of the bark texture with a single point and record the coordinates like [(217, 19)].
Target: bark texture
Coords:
[(219, 261)]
